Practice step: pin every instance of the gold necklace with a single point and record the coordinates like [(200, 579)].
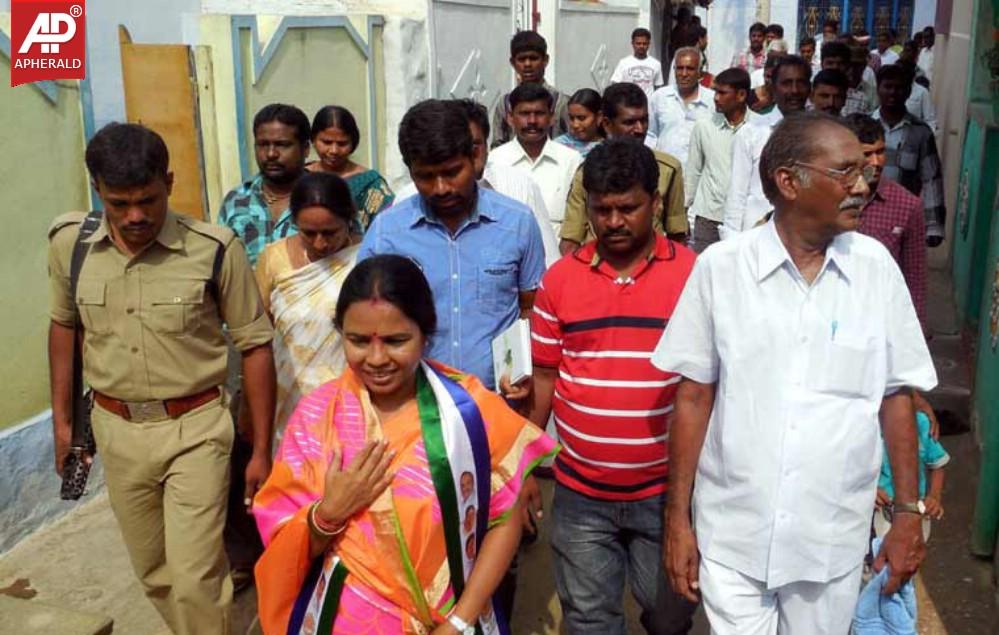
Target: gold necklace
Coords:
[(270, 198)]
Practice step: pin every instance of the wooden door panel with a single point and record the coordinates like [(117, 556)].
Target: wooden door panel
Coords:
[(160, 93)]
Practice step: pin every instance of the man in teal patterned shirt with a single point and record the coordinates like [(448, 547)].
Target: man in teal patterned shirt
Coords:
[(257, 210)]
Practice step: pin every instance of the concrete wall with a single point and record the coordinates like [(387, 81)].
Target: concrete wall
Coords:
[(41, 177), (950, 95), (149, 21), (29, 496), (404, 72), (728, 30), (924, 14)]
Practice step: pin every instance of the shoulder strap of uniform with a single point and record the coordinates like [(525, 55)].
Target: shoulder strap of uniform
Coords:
[(222, 237), (214, 287), (81, 248)]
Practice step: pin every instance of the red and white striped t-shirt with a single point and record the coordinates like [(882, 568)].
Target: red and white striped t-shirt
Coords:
[(611, 405)]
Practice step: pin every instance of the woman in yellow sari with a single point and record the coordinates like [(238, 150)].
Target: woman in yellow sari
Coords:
[(393, 503), (300, 279)]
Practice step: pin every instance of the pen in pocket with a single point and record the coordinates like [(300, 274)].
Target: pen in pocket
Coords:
[(835, 325)]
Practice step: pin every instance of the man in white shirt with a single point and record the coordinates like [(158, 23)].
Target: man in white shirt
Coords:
[(746, 204), (674, 109), (806, 49), (885, 40), (775, 48), (640, 68), (925, 60), (791, 340), (919, 103), (512, 182), (708, 168), (551, 165)]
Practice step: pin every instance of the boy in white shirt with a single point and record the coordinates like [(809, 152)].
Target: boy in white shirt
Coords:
[(640, 68)]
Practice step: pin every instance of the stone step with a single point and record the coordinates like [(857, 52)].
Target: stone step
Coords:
[(29, 617)]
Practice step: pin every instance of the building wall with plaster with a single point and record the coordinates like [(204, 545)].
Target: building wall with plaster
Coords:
[(41, 176)]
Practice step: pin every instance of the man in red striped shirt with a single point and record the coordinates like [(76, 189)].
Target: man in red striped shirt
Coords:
[(597, 317)]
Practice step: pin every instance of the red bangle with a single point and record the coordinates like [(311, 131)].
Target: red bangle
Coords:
[(322, 527)]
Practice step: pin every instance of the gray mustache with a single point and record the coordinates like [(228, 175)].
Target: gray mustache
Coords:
[(853, 201)]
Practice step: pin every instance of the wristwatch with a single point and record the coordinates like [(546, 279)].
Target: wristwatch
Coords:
[(909, 508), (461, 625)]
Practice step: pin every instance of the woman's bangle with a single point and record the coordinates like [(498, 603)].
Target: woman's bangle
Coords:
[(321, 528)]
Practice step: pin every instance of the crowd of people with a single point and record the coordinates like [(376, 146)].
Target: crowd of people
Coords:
[(725, 281)]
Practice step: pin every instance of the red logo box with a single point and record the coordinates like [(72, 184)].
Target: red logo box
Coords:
[(48, 40)]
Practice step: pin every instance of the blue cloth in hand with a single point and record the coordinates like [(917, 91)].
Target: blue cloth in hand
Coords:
[(879, 614)]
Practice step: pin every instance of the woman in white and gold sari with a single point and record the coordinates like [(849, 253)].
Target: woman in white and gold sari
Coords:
[(300, 279)]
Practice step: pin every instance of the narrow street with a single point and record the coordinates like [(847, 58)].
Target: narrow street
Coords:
[(80, 573)]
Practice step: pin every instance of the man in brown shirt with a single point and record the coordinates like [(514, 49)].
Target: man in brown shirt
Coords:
[(153, 293), (626, 113)]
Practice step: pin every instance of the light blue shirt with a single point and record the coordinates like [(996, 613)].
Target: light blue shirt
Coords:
[(476, 274)]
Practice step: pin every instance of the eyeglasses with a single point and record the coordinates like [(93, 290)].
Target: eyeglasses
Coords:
[(847, 177)]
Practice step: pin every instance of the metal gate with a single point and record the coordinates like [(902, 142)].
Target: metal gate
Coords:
[(874, 16), (471, 48)]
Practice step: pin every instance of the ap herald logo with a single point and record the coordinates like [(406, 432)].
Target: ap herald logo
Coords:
[(48, 40)]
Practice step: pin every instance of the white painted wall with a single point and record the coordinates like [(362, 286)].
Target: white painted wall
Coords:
[(784, 13), (925, 12), (728, 30)]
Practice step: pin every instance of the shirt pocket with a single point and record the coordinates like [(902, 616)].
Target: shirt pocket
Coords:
[(174, 306), (91, 302), (908, 160), (844, 365), (496, 283)]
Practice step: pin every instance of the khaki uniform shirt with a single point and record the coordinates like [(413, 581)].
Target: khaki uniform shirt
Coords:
[(576, 226), (152, 328)]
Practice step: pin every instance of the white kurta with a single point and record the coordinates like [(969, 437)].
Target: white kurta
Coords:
[(787, 475)]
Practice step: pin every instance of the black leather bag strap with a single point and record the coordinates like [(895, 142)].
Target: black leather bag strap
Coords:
[(214, 287), (80, 250)]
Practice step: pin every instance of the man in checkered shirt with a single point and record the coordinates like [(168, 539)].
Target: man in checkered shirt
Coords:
[(911, 150), (893, 216)]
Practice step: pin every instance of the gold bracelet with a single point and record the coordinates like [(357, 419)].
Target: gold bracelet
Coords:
[(314, 524)]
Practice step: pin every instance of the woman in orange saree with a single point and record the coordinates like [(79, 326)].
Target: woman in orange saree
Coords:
[(388, 509)]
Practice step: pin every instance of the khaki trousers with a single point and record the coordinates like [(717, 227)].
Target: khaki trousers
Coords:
[(168, 482)]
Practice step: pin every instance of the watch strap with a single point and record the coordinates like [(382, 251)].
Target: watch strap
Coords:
[(907, 508), (461, 625)]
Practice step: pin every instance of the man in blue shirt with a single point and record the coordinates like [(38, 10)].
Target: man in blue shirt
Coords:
[(481, 251)]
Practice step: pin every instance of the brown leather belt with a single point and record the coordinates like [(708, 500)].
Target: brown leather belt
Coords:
[(140, 411)]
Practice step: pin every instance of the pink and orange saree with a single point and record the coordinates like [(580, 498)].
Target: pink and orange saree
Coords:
[(461, 458)]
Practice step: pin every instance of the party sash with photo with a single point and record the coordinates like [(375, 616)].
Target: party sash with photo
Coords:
[(458, 454)]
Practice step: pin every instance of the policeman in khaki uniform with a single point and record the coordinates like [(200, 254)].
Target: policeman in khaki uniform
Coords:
[(153, 293), (626, 114)]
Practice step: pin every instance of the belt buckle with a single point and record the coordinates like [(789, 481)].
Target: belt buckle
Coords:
[(143, 411)]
